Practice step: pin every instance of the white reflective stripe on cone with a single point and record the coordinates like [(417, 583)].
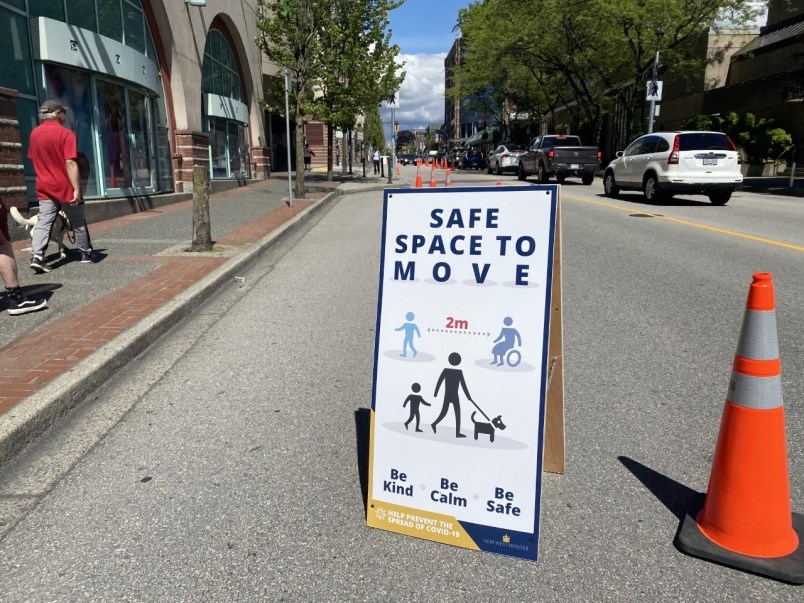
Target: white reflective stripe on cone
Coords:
[(761, 393), (759, 339)]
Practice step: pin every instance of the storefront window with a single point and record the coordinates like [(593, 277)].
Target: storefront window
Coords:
[(110, 19), (81, 13), (16, 70), (46, 8), (73, 89)]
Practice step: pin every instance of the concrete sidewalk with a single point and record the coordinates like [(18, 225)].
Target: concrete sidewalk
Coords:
[(144, 281)]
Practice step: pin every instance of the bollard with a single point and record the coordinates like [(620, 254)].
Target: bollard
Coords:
[(202, 228)]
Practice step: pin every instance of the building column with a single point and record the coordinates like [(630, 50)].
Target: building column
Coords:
[(260, 163), (192, 150), (13, 192)]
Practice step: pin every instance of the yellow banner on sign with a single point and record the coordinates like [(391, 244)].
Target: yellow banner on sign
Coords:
[(414, 522)]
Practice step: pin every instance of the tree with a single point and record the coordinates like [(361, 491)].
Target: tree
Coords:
[(578, 55), (289, 38), (373, 133), (359, 64)]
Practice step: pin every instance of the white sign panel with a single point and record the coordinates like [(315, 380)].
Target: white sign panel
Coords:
[(460, 365), (653, 90)]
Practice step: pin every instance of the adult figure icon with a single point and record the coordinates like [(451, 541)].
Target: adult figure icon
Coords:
[(452, 379), (507, 339)]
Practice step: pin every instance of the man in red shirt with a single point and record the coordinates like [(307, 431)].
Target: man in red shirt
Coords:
[(52, 149)]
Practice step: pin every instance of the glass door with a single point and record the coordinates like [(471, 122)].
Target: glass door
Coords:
[(114, 140), (141, 153)]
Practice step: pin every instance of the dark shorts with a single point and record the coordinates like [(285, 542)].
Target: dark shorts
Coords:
[(307, 160), (5, 237)]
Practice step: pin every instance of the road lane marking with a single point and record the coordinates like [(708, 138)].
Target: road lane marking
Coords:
[(725, 231)]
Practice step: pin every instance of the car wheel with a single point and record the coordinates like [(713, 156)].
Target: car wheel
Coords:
[(650, 187), (610, 187), (542, 175), (488, 168), (520, 172), (560, 178), (587, 179), (720, 197), (498, 171)]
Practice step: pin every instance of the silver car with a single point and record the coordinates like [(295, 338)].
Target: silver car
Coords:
[(505, 158)]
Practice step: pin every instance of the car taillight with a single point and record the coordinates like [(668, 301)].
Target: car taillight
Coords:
[(599, 155), (505, 155), (551, 153), (734, 148), (673, 158)]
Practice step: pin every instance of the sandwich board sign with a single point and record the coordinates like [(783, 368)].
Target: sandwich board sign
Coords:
[(461, 365)]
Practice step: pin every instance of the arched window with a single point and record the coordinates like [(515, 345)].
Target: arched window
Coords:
[(226, 113)]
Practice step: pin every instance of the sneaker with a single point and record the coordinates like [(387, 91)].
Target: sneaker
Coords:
[(86, 256), (23, 305), (38, 265)]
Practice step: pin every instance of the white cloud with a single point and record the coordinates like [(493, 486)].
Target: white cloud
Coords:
[(421, 96)]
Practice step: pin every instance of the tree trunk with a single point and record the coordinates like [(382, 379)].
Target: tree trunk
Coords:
[(343, 155), (299, 181), (330, 171)]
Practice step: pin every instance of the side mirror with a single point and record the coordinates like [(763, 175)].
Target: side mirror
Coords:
[(619, 153)]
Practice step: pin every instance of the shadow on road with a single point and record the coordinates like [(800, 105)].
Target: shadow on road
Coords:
[(362, 439), (673, 495)]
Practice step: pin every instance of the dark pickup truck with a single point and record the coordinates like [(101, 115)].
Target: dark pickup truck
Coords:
[(559, 155)]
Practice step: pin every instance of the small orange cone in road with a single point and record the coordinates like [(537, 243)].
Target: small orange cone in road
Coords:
[(449, 180), (418, 176), (397, 170), (499, 182), (746, 521), (432, 178)]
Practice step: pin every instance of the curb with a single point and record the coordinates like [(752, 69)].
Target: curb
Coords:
[(28, 420)]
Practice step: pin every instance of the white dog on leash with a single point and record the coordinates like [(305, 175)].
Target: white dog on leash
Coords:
[(61, 227)]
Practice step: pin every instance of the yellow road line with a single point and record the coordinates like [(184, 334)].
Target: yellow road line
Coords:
[(732, 233)]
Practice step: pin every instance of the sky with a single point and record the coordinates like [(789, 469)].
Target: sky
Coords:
[(423, 29)]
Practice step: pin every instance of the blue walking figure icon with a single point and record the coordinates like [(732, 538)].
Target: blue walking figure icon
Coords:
[(506, 341), (410, 330)]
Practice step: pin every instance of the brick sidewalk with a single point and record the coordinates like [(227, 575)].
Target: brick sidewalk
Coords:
[(33, 360)]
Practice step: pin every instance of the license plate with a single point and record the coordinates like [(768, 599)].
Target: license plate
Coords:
[(709, 161), (575, 166)]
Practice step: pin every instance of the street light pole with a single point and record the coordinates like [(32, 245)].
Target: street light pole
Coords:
[(287, 129), (659, 33), (392, 156)]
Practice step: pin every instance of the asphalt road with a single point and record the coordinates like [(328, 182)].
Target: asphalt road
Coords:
[(226, 463)]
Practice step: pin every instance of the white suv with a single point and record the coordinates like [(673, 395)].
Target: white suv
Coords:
[(666, 163)]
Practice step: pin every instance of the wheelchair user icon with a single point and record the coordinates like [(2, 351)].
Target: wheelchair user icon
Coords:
[(504, 351)]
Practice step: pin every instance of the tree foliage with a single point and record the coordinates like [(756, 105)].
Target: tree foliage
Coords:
[(338, 55), (579, 55)]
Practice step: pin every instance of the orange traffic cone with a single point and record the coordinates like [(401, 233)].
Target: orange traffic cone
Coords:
[(499, 182), (746, 520), (449, 180), (432, 178), (418, 176), (397, 170)]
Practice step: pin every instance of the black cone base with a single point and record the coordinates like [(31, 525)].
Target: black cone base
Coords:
[(691, 540)]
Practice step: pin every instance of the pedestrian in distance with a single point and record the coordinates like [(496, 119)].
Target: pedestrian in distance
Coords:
[(53, 150), (415, 400), (308, 157), (18, 303), (375, 157)]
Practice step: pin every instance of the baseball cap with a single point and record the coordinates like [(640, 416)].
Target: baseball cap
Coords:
[(51, 106)]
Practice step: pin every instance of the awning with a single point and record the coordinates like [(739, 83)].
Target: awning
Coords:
[(483, 136)]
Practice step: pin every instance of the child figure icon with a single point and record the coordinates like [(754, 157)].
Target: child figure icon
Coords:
[(415, 400), (410, 330), (507, 340)]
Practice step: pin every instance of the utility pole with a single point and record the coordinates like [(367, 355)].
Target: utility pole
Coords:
[(659, 33)]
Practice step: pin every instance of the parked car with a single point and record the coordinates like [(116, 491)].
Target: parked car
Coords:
[(505, 158), (472, 160), (559, 155), (663, 164)]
